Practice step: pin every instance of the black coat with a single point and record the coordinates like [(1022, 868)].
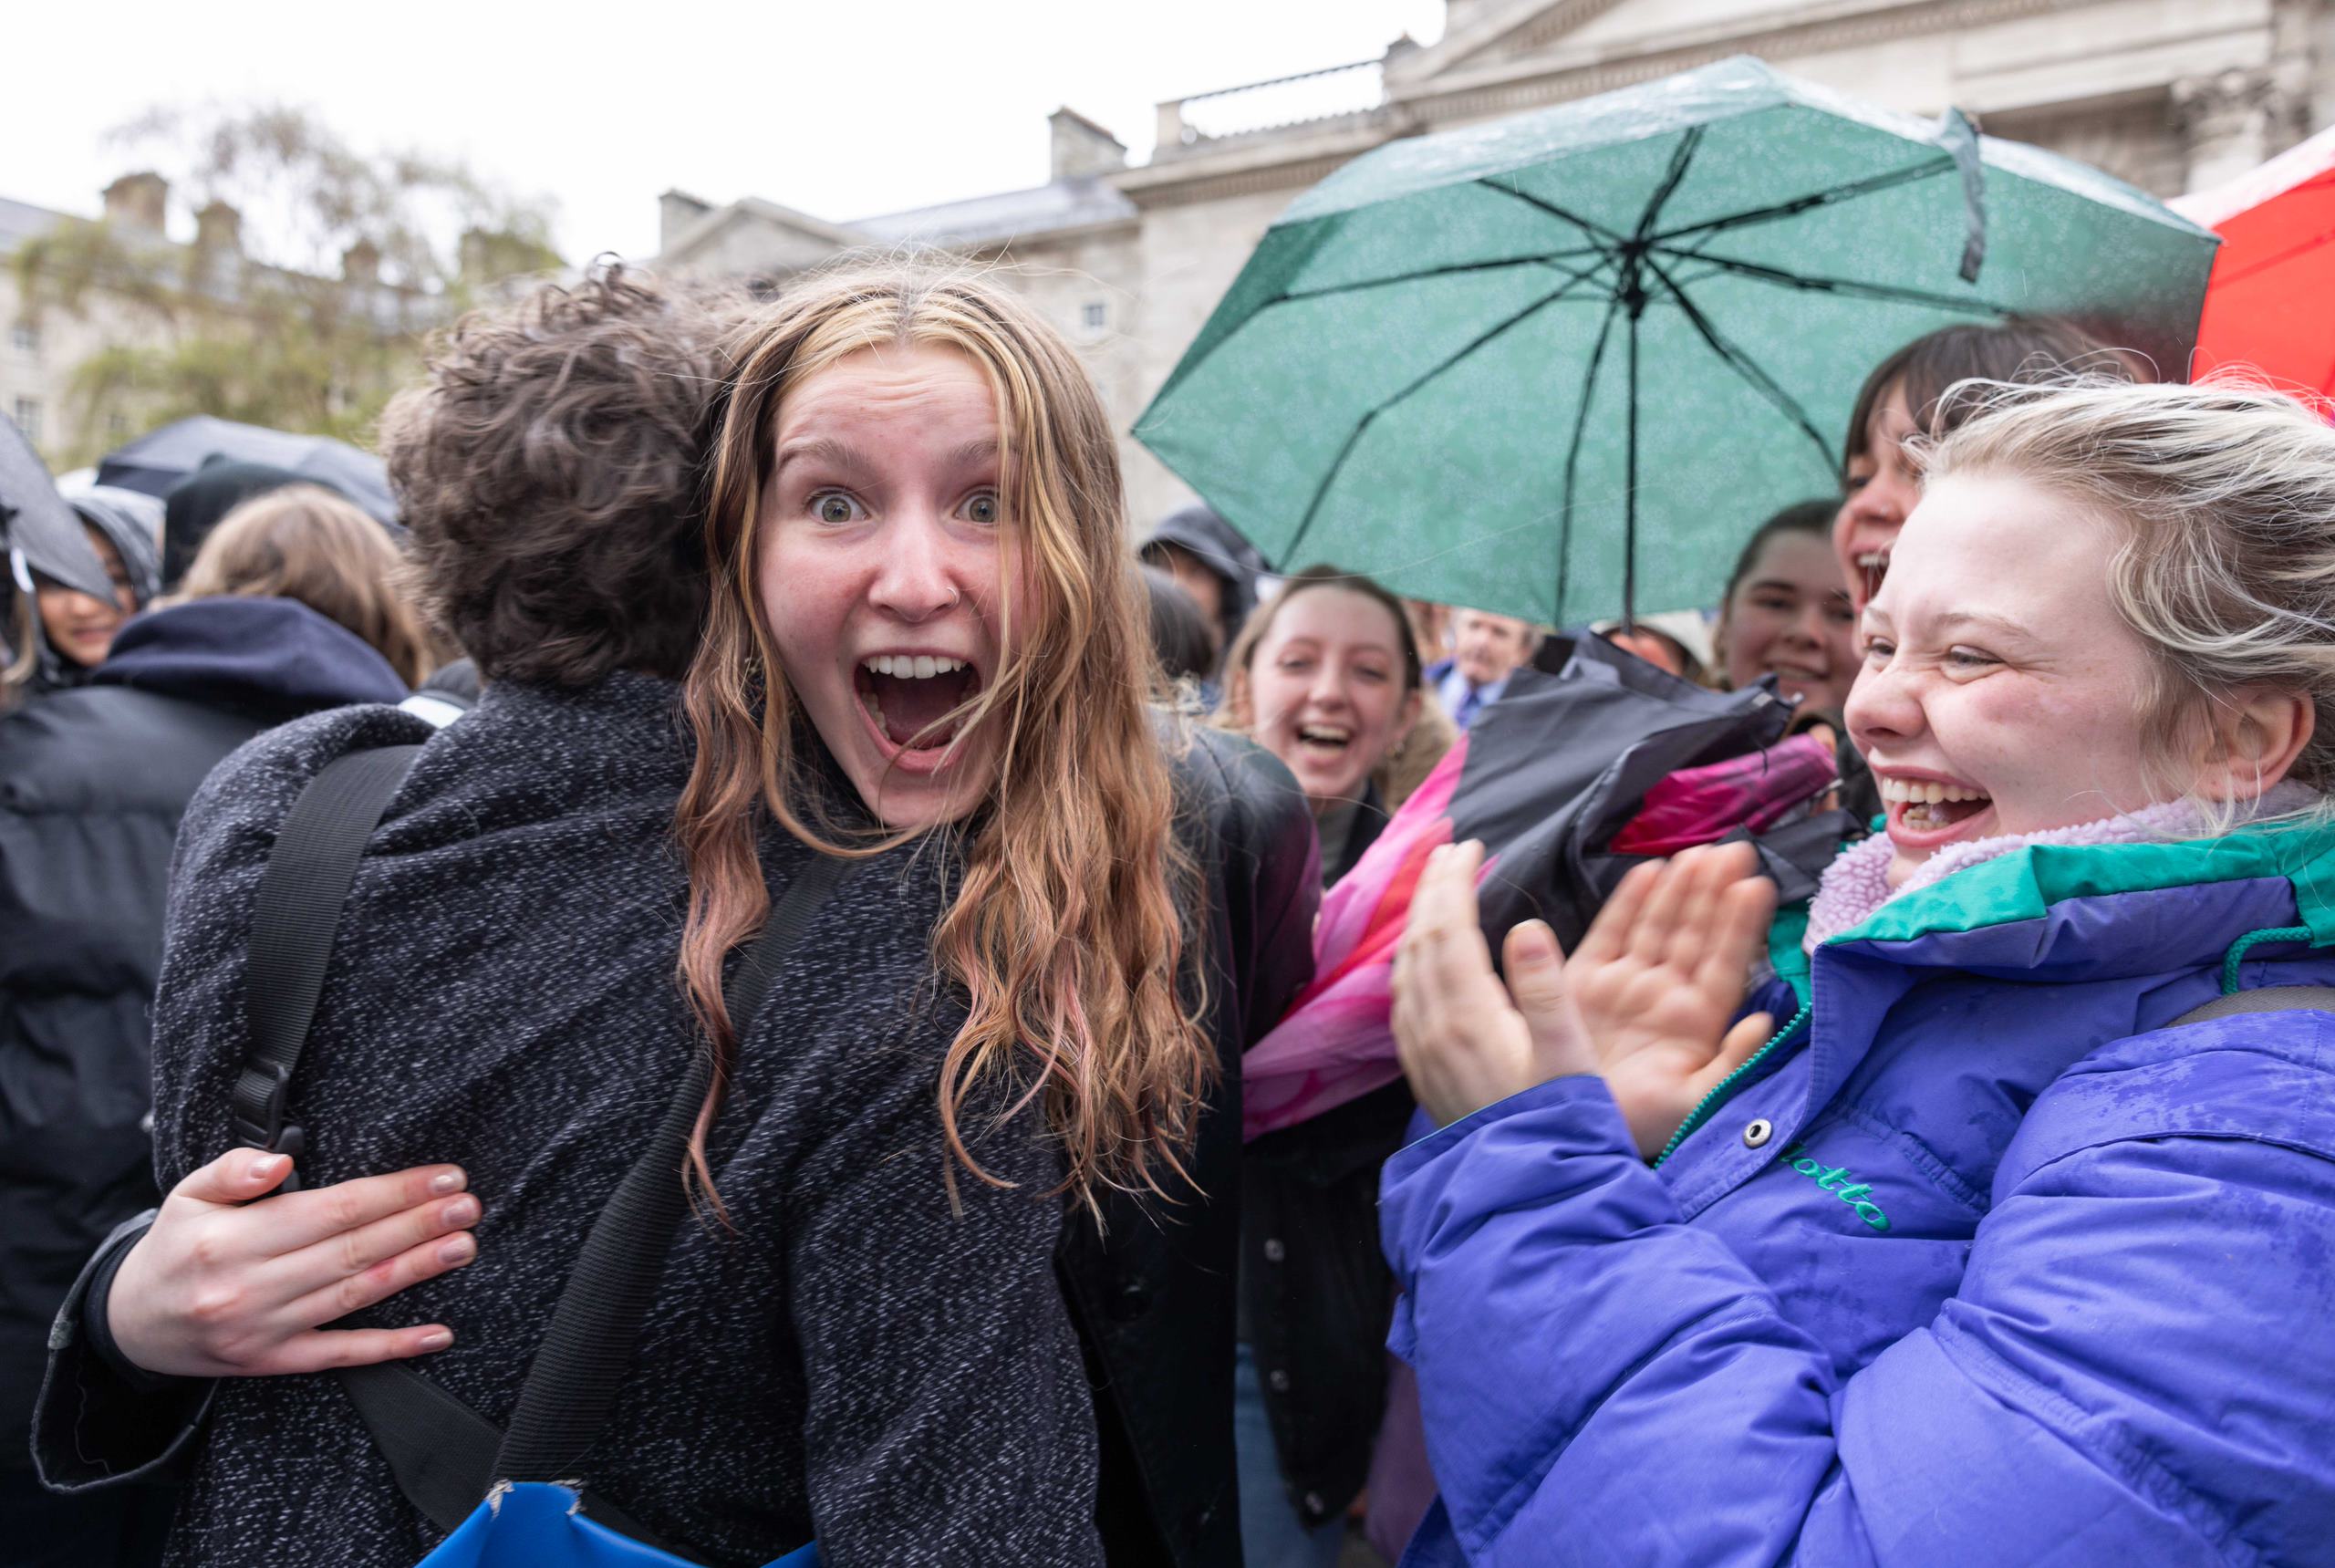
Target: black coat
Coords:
[(92, 783), (1316, 1295), (1153, 1293), (856, 1353), (1152, 1301)]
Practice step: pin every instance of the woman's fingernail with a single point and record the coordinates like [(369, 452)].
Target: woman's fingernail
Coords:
[(451, 1181), (268, 1167), (436, 1339), (461, 1212), (1537, 941), (457, 1250)]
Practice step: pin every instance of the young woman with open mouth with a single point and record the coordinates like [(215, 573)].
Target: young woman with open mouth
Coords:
[(2001, 1228), (1326, 677), (929, 653), (959, 1288), (1903, 399)]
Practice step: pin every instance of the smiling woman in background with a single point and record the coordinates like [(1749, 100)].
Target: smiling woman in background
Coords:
[(77, 631), (1325, 676), (1786, 612)]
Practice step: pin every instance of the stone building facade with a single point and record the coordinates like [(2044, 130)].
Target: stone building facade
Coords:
[(41, 348), (2171, 95)]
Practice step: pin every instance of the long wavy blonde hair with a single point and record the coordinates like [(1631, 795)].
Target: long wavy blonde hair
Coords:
[(1063, 930)]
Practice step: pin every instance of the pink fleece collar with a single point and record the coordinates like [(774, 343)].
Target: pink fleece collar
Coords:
[(1857, 884)]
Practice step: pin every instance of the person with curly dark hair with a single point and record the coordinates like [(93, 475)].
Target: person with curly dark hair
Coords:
[(928, 1315), (549, 468)]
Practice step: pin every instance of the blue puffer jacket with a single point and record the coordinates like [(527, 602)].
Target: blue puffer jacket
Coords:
[(1979, 1262)]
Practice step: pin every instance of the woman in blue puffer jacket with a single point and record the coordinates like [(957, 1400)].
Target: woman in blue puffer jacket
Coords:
[(1982, 1250)]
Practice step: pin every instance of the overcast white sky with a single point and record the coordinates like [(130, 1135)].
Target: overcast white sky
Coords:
[(842, 108)]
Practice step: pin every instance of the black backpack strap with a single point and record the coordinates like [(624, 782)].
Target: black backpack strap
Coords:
[(587, 1352), (440, 1449), (2264, 999), (446, 1456), (300, 897)]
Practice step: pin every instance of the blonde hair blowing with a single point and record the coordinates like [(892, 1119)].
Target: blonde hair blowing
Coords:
[(304, 542), (1065, 930), (2225, 495)]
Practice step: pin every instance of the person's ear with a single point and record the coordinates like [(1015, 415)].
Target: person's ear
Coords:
[(2253, 736), (1409, 715)]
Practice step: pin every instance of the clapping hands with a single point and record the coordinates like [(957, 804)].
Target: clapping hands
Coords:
[(1645, 1003)]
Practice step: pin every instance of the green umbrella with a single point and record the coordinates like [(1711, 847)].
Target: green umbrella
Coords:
[(1564, 363)]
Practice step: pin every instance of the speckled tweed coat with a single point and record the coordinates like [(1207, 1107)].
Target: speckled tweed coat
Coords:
[(503, 995)]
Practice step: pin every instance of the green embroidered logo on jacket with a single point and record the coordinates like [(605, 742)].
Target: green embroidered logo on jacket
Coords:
[(1835, 1181)]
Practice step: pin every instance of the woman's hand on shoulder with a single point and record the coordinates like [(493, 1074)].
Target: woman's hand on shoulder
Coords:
[(1467, 1041), (1659, 975), (230, 1282)]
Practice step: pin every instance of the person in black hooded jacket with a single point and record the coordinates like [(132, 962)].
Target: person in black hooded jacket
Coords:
[(93, 781), (1210, 561), (72, 630)]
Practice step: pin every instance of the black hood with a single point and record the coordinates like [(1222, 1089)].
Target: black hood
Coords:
[(132, 523), (272, 657), (1221, 549)]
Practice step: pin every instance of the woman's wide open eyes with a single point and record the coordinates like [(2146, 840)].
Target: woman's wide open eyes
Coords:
[(836, 507), (983, 507)]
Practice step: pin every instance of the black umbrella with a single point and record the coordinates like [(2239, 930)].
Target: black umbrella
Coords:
[(156, 461), (37, 529)]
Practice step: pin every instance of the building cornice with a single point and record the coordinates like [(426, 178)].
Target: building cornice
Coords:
[(1524, 26), (1262, 162), (1561, 76)]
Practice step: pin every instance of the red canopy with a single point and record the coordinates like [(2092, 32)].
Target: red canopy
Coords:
[(2271, 300)]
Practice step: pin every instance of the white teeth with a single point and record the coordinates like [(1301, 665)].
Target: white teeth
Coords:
[(1913, 791), (912, 667)]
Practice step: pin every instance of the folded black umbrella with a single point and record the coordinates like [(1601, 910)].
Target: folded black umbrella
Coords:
[(158, 460), (1569, 780), (1561, 764), (37, 528)]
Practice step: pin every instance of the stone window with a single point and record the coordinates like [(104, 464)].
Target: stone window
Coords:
[(27, 416), (24, 337), (1096, 316)]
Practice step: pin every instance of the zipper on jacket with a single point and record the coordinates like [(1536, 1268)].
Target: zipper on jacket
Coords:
[(1723, 1090)]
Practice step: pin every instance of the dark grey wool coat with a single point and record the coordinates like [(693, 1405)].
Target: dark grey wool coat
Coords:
[(503, 995)]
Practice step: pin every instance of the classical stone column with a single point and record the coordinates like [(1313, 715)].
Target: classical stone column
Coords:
[(2228, 122)]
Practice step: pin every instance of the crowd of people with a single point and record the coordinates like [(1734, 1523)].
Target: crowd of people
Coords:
[(1979, 1209)]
